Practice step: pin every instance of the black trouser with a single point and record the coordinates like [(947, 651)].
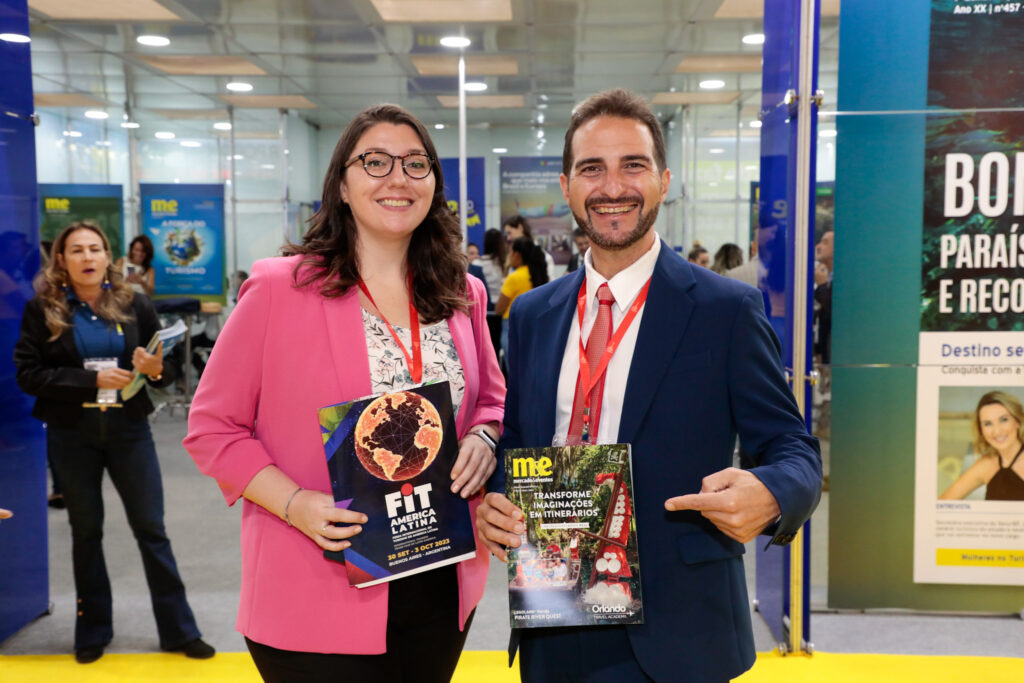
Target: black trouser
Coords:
[(423, 640), (111, 441)]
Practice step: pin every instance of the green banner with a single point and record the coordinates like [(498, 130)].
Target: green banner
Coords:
[(63, 204)]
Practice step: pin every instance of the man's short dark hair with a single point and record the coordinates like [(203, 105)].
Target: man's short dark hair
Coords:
[(578, 232), (620, 103)]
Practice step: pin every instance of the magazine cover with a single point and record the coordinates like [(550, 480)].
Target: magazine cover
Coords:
[(170, 336), (578, 563), (390, 456)]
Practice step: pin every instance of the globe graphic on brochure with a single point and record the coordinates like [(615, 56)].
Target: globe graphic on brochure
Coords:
[(398, 436), (183, 246)]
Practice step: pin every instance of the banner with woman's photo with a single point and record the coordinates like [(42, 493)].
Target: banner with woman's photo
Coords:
[(530, 188), (969, 489)]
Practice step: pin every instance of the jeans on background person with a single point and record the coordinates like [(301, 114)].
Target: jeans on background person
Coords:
[(123, 447)]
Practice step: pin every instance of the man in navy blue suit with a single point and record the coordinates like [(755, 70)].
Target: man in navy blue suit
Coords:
[(692, 363)]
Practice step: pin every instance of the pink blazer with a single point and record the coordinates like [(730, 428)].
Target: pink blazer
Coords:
[(283, 354)]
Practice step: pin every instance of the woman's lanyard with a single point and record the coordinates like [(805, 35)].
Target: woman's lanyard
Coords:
[(415, 361), (587, 381)]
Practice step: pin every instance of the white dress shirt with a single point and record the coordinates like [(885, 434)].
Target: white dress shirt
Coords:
[(625, 286)]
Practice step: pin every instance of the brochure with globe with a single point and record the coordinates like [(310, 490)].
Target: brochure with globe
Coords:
[(390, 457), (578, 563)]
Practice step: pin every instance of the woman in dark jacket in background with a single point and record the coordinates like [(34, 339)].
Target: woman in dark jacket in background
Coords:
[(81, 336)]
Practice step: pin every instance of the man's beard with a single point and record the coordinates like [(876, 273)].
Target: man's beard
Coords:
[(643, 224)]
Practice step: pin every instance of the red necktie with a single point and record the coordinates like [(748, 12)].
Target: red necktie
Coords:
[(597, 342)]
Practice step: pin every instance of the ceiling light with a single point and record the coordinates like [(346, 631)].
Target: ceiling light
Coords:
[(72, 134), (129, 124), (96, 114), (153, 41), (163, 135), (753, 39), (191, 143), (222, 125), (103, 143), (268, 167), (455, 41), (438, 126), (239, 86), (712, 84), (716, 150), (755, 124), (829, 133), (475, 86), (236, 157), (500, 150), (15, 38)]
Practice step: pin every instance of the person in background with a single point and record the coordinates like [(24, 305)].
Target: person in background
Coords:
[(378, 295), (472, 251), (81, 337), (824, 251), (235, 283), (528, 271), (699, 255), (823, 254), (582, 244), (516, 227), (749, 272), (493, 262), (473, 268), (138, 270), (998, 429), (727, 257)]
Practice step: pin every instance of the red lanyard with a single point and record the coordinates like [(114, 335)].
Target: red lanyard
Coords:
[(588, 382), (415, 361)]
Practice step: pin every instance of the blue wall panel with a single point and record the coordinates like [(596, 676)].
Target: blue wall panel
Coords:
[(24, 574)]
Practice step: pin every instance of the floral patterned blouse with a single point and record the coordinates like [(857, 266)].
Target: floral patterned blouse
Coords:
[(389, 370)]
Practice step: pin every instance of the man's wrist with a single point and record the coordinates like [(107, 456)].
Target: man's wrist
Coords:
[(486, 438)]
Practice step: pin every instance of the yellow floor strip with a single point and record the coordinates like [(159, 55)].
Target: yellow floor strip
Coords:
[(237, 667)]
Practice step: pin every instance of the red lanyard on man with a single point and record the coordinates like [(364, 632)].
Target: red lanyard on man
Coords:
[(586, 413), (415, 361)]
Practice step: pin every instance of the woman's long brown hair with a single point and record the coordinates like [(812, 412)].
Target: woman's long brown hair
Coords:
[(434, 258), (114, 303)]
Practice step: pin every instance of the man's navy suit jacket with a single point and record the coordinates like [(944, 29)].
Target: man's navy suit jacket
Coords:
[(706, 367)]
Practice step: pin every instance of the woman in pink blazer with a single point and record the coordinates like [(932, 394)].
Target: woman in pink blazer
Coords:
[(333, 321)]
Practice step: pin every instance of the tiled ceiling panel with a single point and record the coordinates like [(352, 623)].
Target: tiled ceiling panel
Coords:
[(104, 10), (203, 64), (443, 10)]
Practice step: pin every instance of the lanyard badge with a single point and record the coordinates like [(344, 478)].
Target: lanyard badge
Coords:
[(414, 361), (590, 378)]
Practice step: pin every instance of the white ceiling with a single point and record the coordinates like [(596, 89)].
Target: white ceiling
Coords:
[(329, 59)]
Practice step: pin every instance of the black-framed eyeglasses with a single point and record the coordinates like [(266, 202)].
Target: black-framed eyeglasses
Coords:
[(379, 164)]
